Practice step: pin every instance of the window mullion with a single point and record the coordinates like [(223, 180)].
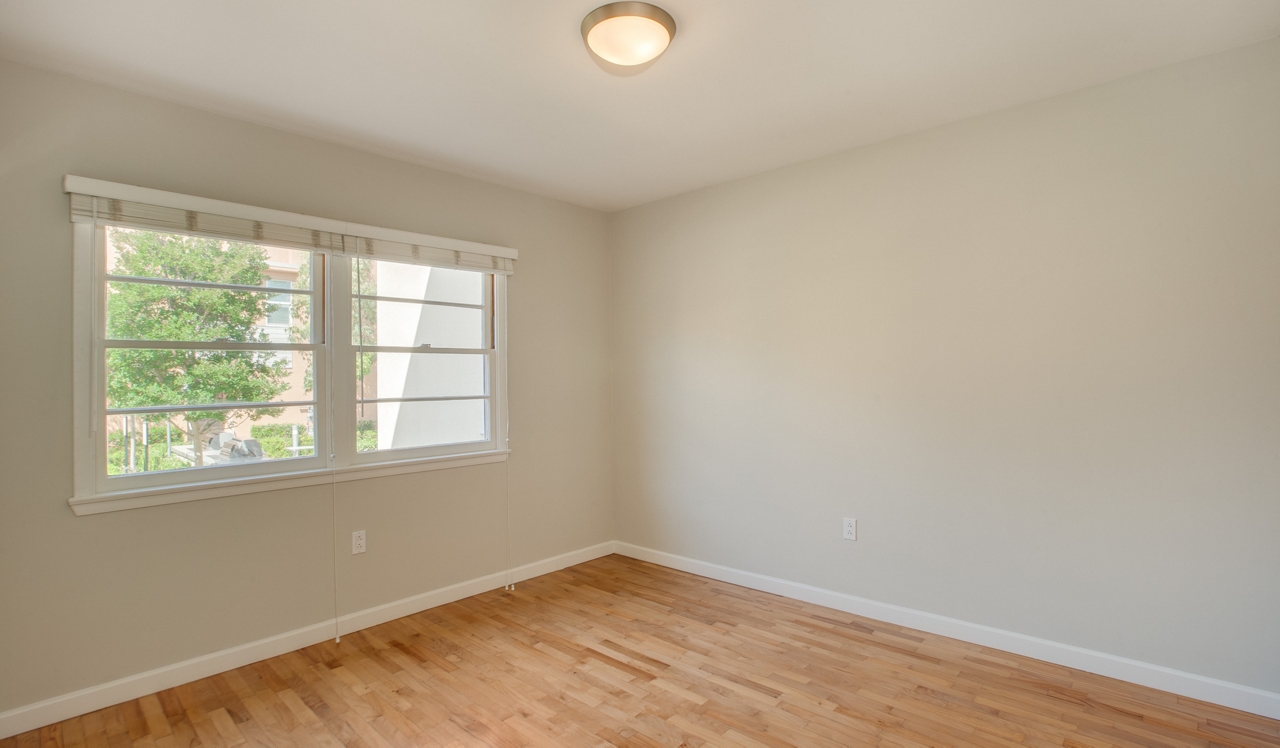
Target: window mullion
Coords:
[(432, 399), (200, 407), (420, 302), (206, 345), (425, 349), (342, 361), (320, 270), (179, 283)]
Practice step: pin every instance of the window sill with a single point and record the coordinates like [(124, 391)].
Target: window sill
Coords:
[(117, 501)]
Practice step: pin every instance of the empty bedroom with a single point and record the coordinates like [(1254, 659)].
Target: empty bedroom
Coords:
[(680, 373)]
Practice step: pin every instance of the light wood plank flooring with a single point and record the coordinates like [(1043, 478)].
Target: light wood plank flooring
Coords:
[(621, 652)]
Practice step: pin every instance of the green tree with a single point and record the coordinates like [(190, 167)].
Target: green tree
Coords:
[(135, 311), (300, 331), (364, 314)]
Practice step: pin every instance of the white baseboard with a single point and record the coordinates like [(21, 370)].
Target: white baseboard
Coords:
[(86, 700), (1234, 695), (69, 705), (410, 605), (89, 699)]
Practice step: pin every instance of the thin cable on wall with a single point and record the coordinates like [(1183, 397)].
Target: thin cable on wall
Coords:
[(333, 509), (511, 581)]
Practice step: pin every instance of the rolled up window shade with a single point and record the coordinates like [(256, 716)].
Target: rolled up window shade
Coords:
[(87, 208), (384, 249)]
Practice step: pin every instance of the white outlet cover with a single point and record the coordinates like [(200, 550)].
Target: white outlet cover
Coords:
[(357, 541), (850, 528)]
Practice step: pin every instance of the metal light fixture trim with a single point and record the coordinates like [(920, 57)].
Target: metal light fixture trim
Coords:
[(628, 9)]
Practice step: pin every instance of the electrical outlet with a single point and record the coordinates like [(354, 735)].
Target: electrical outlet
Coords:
[(850, 528), (357, 541)]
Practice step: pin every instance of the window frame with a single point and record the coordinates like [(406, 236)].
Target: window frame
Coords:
[(345, 380), (335, 458), (107, 484)]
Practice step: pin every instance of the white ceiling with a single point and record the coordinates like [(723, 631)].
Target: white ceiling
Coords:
[(503, 90)]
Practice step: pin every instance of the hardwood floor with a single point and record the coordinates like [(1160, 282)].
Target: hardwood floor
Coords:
[(621, 652)]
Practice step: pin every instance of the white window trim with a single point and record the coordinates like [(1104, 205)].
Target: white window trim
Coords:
[(344, 367), (90, 496), (116, 501)]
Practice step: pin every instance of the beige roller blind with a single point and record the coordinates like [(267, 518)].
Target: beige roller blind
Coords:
[(90, 208), (87, 208), (383, 249)]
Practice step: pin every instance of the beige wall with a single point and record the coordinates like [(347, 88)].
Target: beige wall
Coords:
[(1036, 354), (84, 600)]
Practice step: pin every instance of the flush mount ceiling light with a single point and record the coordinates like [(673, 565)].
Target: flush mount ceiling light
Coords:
[(628, 34)]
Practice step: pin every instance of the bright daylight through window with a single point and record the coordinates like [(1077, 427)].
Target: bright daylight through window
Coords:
[(190, 378), (213, 360), (421, 379)]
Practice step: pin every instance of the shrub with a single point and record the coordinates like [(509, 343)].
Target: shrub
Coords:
[(276, 438), (155, 438), (366, 436)]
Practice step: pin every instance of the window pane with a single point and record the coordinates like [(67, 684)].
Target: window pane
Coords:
[(280, 313), (145, 311), (397, 323), (395, 375), (404, 281), (139, 378), (157, 254), (167, 441), (421, 424)]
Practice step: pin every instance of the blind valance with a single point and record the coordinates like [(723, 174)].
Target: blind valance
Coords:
[(88, 209), (186, 214), (384, 249)]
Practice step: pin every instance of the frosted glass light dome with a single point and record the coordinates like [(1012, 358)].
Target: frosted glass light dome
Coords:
[(629, 33)]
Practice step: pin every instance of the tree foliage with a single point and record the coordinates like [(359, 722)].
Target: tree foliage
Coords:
[(136, 311), (364, 312)]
